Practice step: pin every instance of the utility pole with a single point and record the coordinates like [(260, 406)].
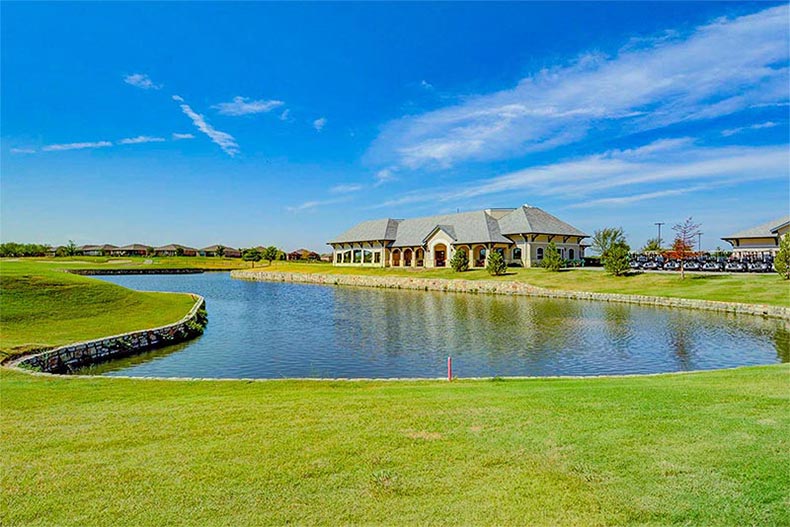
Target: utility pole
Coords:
[(699, 241), (659, 223)]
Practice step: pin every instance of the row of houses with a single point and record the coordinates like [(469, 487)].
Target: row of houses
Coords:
[(139, 249)]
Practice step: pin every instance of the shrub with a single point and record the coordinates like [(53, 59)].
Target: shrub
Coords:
[(782, 260), (552, 259), (460, 261), (618, 258), (496, 264)]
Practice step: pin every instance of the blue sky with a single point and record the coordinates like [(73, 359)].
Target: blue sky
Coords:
[(286, 123)]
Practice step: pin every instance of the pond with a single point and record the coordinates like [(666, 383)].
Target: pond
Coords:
[(274, 330)]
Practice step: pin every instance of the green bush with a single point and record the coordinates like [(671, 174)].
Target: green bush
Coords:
[(782, 260), (496, 264), (460, 261), (617, 259), (552, 260)]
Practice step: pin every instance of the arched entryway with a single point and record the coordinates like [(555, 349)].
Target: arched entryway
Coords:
[(396, 258), (419, 256), (478, 256), (440, 255), (407, 256)]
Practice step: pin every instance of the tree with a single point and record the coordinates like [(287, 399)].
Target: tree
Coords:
[(270, 253), (460, 261), (782, 260), (652, 246), (618, 259), (685, 235), (496, 264), (220, 251), (179, 251), (604, 239), (552, 259), (70, 248), (251, 255)]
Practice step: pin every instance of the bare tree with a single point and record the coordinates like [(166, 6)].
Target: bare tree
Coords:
[(685, 233)]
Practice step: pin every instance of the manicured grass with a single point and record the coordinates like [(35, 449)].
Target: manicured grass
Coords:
[(42, 307), (695, 449), (766, 288)]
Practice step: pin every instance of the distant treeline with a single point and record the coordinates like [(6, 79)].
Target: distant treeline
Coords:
[(23, 249)]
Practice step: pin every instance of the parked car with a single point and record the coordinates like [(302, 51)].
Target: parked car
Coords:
[(734, 267), (671, 265), (712, 266)]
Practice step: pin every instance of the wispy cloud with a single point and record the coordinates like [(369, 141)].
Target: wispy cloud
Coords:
[(313, 204), (346, 189), (141, 139), (426, 85), (23, 151), (179, 137), (758, 126), (385, 175), (75, 146), (141, 80), (319, 123), (245, 106), (654, 170), (649, 84), (223, 139), (285, 115)]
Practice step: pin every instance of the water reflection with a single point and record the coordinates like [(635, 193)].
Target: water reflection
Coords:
[(259, 329)]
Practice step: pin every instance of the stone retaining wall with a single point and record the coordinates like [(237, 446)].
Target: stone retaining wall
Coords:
[(71, 357), (507, 288)]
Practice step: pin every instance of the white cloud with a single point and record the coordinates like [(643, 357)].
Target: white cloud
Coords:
[(726, 66), (23, 151), (346, 189), (75, 146), (141, 80), (141, 139), (244, 106), (313, 204), (179, 137), (285, 115), (385, 175), (658, 168), (223, 139), (319, 123), (426, 85), (758, 126)]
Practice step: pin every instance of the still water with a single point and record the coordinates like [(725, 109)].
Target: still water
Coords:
[(272, 330)]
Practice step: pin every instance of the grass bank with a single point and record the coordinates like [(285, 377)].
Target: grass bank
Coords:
[(41, 307), (695, 449)]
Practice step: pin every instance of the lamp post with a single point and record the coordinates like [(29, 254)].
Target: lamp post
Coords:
[(659, 223), (699, 241)]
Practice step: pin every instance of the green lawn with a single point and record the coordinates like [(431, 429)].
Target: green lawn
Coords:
[(43, 307), (694, 449)]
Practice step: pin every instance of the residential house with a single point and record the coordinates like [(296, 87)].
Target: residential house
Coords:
[(134, 249), (215, 250), (175, 249)]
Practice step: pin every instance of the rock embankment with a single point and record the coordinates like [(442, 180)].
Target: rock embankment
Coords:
[(503, 287)]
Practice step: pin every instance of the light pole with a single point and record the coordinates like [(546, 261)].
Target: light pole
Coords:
[(659, 223), (699, 241)]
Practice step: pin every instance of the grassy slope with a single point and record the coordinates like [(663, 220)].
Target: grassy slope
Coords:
[(42, 307), (696, 449)]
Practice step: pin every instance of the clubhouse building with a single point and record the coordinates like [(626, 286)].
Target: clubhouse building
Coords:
[(521, 235), (759, 241)]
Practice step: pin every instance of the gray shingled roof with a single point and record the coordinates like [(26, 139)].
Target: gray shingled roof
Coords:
[(532, 220), (373, 230), (467, 227), (760, 231), (134, 247), (173, 247)]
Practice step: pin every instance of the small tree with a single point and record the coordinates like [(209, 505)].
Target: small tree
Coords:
[(70, 248), (460, 261), (179, 251), (220, 251), (685, 234), (251, 255), (618, 259), (552, 260), (270, 253), (496, 264), (604, 239), (652, 246), (782, 260)]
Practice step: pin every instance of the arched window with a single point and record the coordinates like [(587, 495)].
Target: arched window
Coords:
[(540, 253), (517, 253), (570, 254)]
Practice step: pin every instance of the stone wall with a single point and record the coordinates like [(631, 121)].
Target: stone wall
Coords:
[(71, 357), (507, 288)]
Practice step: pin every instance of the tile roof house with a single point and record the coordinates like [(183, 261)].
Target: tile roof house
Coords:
[(95, 250), (215, 250), (133, 249), (760, 240), (521, 235), (174, 249)]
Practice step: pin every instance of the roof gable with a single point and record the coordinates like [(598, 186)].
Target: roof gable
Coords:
[(532, 220)]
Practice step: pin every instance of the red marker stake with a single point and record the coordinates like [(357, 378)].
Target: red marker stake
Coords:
[(449, 368)]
